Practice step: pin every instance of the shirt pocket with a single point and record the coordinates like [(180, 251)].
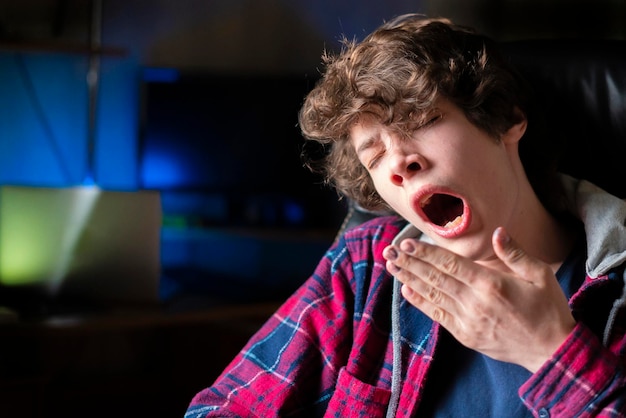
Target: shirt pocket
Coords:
[(354, 398)]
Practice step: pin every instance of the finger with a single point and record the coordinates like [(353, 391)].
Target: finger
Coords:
[(515, 258), (445, 261), (409, 268), (426, 283), (433, 311)]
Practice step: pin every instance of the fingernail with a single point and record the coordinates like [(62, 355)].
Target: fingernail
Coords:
[(408, 247), (391, 254), (393, 269), (502, 236), (407, 291)]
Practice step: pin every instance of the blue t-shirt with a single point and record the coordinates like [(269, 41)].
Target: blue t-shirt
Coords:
[(465, 383)]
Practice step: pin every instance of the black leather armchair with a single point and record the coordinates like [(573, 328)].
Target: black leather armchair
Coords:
[(582, 87)]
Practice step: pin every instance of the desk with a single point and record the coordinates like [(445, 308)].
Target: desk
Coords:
[(120, 364)]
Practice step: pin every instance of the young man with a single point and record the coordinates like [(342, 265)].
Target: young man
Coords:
[(503, 304)]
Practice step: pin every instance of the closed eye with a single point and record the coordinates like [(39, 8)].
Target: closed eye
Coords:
[(431, 120), (374, 160)]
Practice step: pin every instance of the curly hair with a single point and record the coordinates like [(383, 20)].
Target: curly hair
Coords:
[(395, 75)]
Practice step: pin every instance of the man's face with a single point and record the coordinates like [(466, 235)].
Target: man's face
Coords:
[(449, 179)]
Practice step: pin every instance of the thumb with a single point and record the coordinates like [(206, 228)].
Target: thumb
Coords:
[(513, 256)]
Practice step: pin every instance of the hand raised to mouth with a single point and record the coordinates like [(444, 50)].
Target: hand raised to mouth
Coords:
[(519, 316)]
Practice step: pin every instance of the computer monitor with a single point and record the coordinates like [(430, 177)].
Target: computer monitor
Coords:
[(62, 248)]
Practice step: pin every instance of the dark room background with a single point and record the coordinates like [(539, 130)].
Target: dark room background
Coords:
[(109, 93), (44, 123)]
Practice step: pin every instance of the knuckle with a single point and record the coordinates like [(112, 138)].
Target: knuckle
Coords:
[(438, 315), (434, 277), (434, 295), (450, 264), (516, 254), (491, 288)]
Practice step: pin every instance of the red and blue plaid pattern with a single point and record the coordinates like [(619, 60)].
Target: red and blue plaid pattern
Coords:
[(327, 351)]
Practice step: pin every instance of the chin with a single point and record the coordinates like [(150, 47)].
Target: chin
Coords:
[(476, 249)]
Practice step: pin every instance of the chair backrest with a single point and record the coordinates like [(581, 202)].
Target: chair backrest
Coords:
[(582, 88), (582, 85)]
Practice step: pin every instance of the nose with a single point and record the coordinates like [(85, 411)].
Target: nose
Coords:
[(404, 166)]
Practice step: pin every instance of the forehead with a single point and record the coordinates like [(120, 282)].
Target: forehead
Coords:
[(365, 131), (370, 123)]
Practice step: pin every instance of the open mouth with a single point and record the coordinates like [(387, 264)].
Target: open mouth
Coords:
[(443, 210)]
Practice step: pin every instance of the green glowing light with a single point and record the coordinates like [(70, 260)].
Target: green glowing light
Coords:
[(33, 248)]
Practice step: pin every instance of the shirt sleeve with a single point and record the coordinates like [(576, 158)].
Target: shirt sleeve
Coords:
[(306, 341), (582, 379)]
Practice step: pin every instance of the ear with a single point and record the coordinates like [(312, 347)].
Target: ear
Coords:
[(515, 132)]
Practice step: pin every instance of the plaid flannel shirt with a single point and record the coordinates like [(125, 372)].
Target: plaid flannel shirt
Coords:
[(328, 350)]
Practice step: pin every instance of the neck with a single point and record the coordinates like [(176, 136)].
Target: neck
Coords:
[(549, 240), (539, 233)]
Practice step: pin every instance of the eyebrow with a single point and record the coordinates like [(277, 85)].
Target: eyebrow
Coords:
[(365, 145)]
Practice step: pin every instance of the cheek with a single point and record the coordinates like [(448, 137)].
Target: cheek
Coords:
[(395, 198), (382, 186), (385, 190)]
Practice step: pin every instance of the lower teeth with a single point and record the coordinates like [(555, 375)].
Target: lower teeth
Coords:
[(455, 222)]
